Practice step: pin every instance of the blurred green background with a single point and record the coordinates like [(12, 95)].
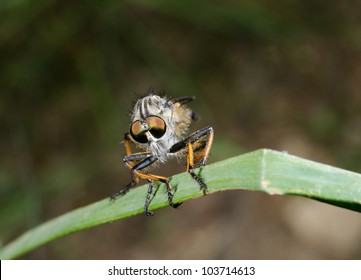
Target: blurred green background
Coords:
[(280, 74)]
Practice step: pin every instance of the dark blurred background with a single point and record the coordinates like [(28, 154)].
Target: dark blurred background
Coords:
[(280, 74)]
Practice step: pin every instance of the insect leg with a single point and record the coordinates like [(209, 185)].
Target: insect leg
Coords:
[(193, 138), (147, 159), (152, 177), (190, 169), (147, 200), (190, 142), (126, 142), (129, 161)]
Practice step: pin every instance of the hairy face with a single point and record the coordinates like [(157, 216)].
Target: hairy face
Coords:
[(158, 123)]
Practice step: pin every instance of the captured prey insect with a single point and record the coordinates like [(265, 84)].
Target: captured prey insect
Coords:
[(158, 128)]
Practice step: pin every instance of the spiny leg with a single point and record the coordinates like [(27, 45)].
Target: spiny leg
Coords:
[(147, 162), (144, 160), (190, 170), (126, 141), (170, 196), (152, 177), (124, 190), (202, 156), (136, 162), (129, 161), (210, 132), (147, 200), (148, 197)]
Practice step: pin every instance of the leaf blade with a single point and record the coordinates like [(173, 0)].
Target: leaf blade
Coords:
[(262, 170)]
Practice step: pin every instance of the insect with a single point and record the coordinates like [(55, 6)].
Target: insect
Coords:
[(158, 128)]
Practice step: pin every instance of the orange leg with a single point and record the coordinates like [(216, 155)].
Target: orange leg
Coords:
[(207, 148), (136, 162), (193, 144), (190, 157), (151, 178)]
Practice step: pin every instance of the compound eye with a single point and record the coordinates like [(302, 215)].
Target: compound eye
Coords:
[(137, 133), (156, 126)]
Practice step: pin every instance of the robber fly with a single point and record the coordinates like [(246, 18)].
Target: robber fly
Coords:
[(158, 128)]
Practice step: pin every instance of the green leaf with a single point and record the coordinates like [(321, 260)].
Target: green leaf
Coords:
[(262, 170)]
